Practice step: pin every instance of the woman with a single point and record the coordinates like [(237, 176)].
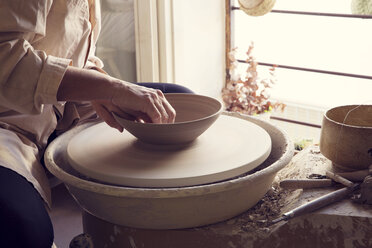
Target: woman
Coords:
[(50, 81)]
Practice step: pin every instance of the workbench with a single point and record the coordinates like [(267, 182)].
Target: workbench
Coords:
[(342, 224)]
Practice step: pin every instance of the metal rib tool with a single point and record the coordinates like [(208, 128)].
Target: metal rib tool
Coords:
[(317, 203)]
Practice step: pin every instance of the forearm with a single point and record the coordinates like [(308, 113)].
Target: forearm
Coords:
[(87, 85), (109, 94)]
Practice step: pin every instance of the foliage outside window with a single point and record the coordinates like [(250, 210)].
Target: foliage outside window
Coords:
[(249, 94)]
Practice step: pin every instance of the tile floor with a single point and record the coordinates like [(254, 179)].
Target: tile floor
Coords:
[(66, 217)]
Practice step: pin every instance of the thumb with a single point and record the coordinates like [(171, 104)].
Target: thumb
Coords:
[(107, 116)]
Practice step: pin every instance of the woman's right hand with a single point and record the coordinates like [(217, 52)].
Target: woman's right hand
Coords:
[(109, 95), (135, 102), (144, 103)]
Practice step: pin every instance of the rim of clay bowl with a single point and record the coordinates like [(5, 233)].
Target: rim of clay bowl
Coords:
[(216, 101), (352, 106), (171, 192)]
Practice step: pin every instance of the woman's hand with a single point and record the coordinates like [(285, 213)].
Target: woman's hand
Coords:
[(109, 95), (135, 102)]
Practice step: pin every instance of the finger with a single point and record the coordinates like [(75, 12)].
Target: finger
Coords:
[(119, 112), (164, 117), (168, 113), (107, 117), (124, 114), (143, 118), (171, 112), (148, 101), (150, 107), (133, 115)]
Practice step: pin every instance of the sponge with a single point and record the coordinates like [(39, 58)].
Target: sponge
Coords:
[(261, 8), (361, 7)]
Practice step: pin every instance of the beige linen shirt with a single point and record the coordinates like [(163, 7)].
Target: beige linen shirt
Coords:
[(38, 40)]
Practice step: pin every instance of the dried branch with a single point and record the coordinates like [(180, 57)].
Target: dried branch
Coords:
[(249, 95)]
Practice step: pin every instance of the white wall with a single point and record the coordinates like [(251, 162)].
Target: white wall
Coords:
[(199, 45), (188, 35)]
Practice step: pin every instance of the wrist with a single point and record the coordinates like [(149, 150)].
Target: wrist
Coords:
[(117, 90), (84, 85)]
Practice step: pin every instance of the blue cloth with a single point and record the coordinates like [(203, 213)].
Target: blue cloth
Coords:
[(24, 219), (167, 87)]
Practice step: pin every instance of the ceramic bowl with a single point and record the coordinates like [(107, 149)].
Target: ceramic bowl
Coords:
[(176, 207), (346, 136), (194, 115)]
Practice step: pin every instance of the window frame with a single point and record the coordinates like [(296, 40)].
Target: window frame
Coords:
[(229, 41)]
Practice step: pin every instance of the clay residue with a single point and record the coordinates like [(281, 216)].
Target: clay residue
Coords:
[(256, 223), (270, 207), (307, 162)]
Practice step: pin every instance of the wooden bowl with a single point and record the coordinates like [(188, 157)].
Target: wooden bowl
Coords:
[(194, 115), (346, 136)]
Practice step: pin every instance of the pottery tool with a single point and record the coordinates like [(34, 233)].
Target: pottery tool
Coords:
[(317, 203), (306, 183), (339, 179)]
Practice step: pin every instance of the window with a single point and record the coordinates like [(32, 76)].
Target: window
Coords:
[(116, 44), (165, 41), (322, 50)]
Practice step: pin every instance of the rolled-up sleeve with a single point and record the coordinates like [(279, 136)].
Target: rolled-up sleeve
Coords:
[(29, 78), (93, 61)]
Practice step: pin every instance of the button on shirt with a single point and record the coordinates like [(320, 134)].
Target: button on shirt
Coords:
[(39, 39)]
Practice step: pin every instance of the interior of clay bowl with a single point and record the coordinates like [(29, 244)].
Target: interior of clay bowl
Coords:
[(194, 114), (346, 136), (351, 115), (171, 208)]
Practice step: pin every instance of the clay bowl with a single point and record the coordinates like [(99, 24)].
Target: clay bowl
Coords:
[(194, 114), (346, 137), (175, 207)]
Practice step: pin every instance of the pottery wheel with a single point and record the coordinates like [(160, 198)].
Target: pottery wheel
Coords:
[(230, 147)]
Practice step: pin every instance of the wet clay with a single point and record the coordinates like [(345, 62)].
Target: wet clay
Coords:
[(230, 147)]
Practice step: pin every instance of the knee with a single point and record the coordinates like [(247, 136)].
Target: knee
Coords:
[(37, 232), (25, 221), (26, 230)]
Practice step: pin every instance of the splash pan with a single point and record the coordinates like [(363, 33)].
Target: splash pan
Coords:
[(171, 207)]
